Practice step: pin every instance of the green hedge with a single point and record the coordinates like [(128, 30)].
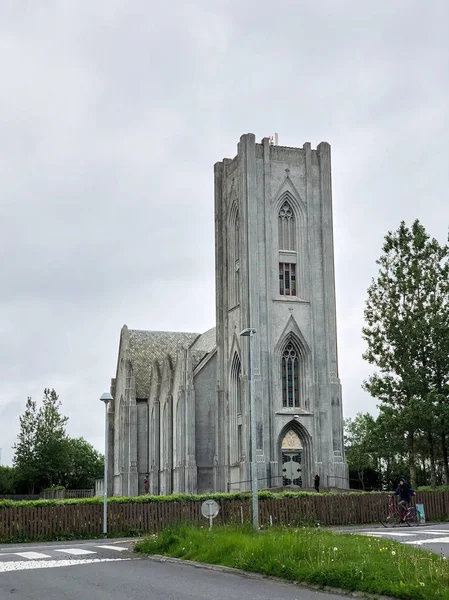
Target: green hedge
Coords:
[(172, 498), (429, 488), (188, 497)]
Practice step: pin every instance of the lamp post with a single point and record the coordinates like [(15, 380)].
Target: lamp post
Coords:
[(106, 398), (249, 332)]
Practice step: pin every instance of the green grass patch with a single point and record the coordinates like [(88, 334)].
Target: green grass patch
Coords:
[(314, 556)]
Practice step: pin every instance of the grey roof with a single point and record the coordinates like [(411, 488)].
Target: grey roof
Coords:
[(148, 346), (206, 342), (204, 345)]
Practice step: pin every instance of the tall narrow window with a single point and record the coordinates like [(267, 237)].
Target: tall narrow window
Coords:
[(239, 442), (237, 259), (235, 408), (233, 245), (239, 393), (287, 250), (286, 224), (290, 376), (287, 279)]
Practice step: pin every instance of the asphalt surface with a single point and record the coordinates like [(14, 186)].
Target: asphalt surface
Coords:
[(431, 536), (109, 570), (88, 570)]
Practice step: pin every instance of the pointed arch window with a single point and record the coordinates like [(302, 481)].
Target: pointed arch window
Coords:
[(237, 258), (294, 370), (287, 250), (235, 400), (286, 225), (290, 376), (234, 256)]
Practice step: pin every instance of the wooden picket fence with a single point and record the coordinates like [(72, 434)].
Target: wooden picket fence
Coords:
[(85, 520)]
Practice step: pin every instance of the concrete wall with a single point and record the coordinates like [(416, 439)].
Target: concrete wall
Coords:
[(122, 390), (205, 424), (260, 178), (142, 443)]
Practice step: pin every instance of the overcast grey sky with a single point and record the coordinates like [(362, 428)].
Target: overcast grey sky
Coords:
[(112, 114)]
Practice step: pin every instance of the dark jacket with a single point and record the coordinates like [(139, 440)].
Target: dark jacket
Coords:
[(317, 480), (404, 491)]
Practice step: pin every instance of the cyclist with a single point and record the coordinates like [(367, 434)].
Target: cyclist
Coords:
[(405, 492)]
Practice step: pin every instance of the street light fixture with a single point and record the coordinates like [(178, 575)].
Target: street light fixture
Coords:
[(249, 332), (106, 398)]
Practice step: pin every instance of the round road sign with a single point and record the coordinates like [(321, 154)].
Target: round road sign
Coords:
[(210, 509)]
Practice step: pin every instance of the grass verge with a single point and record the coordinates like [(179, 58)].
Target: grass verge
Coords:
[(350, 562)]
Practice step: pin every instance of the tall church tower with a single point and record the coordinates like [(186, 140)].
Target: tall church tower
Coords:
[(275, 273)]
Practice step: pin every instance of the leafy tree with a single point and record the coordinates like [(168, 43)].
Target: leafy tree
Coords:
[(44, 454), (361, 449), (8, 478), (392, 448), (85, 464), (407, 334), (51, 441), (40, 452), (25, 448)]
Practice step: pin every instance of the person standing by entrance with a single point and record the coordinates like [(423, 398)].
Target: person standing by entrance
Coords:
[(317, 482)]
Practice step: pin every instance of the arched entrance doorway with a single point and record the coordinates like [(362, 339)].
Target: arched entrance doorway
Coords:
[(292, 459)]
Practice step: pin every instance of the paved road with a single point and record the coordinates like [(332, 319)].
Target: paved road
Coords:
[(428, 537), (110, 571)]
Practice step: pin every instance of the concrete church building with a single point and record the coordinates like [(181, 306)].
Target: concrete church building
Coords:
[(181, 400)]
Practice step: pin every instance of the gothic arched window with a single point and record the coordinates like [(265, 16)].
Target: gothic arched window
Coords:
[(287, 250), (234, 256), (286, 224), (235, 400), (290, 376), (237, 258)]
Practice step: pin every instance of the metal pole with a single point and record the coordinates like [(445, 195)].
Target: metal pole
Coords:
[(253, 437), (105, 480)]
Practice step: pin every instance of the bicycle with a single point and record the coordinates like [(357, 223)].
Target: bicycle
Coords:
[(410, 517)]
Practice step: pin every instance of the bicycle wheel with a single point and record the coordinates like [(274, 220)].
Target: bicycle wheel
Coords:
[(413, 516), (391, 520)]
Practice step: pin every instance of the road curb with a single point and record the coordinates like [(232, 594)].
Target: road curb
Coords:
[(259, 576)]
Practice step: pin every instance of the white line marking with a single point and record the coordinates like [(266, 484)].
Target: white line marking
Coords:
[(32, 555), (75, 551), (118, 548), (443, 540), (9, 548), (394, 533), (442, 531), (49, 564)]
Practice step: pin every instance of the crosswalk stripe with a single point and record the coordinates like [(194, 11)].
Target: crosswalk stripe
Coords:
[(118, 548), (442, 540), (21, 565), (75, 551), (32, 555), (421, 531)]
